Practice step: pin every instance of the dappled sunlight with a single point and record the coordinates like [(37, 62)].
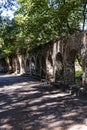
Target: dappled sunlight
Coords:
[(17, 86), (70, 114), (34, 105), (6, 127), (78, 127)]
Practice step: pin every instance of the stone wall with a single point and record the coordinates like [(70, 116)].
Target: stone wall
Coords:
[(56, 59)]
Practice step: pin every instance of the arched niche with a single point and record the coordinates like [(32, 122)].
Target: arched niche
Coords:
[(50, 60), (59, 57), (38, 65), (59, 66), (69, 66), (43, 66), (32, 65), (72, 56), (28, 65), (27, 62), (78, 69)]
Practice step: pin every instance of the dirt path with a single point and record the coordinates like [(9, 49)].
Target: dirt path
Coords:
[(26, 104)]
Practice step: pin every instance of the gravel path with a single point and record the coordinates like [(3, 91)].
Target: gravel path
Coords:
[(26, 104)]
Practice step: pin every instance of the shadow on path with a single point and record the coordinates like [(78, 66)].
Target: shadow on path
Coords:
[(26, 104), (6, 79)]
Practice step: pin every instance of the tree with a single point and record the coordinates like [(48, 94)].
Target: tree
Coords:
[(46, 20)]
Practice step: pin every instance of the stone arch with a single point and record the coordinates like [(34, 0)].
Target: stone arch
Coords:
[(59, 66), (75, 59), (78, 69), (69, 65)]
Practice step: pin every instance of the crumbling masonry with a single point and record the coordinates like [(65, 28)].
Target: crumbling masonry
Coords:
[(56, 59)]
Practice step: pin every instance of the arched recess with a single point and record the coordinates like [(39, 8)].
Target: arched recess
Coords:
[(43, 66), (50, 60), (38, 65), (59, 66), (27, 65), (32, 65), (69, 65), (78, 68)]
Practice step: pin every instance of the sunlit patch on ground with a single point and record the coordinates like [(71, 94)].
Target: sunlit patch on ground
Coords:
[(6, 127)]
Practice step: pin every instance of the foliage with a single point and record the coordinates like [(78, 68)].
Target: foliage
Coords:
[(79, 73), (6, 27), (45, 20), (37, 22)]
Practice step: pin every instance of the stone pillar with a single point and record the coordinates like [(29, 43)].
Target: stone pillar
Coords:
[(84, 60), (84, 67), (59, 66), (50, 68)]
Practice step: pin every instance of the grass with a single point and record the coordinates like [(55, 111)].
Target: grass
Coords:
[(78, 73)]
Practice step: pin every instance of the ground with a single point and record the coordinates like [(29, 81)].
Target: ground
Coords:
[(27, 104)]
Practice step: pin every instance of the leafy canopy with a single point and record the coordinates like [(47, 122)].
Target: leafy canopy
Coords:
[(45, 20), (37, 22)]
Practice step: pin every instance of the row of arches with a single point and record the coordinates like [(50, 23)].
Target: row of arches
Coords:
[(58, 61), (36, 65), (64, 68)]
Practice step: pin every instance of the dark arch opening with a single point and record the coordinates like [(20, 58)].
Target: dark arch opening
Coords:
[(43, 67), (72, 55), (27, 65), (27, 62), (50, 60), (78, 69), (38, 65), (59, 67), (75, 72), (59, 57), (32, 65)]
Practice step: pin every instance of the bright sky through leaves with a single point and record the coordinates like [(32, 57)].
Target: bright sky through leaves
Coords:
[(8, 11)]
